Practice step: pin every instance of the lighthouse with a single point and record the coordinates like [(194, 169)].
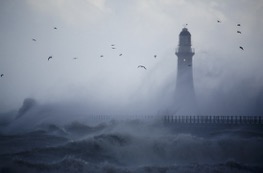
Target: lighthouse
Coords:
[(184, 92)]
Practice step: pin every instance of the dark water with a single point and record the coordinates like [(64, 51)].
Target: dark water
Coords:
[(131, 147)]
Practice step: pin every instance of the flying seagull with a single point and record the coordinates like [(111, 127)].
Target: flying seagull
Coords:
[(218, 21), (120, 54), (238, 25), (34, 39), (241, 47), (141, 66), (101, 56), (55, 28), (113, 47), (155, 56), (239, 32), (49, 58), (2, 75), (75, 58)]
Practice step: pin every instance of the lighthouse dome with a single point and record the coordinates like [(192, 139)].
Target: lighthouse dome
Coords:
[(185, 38), (185, 32)]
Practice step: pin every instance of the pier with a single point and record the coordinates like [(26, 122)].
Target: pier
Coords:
[(209, 119)]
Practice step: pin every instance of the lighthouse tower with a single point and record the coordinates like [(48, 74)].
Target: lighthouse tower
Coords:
[(184, 93)]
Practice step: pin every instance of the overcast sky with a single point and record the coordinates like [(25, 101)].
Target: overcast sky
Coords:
[(224, 75)]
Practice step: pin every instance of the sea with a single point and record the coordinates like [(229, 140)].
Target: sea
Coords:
[(130, 146)]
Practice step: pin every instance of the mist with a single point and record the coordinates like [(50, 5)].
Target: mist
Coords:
[(227, 80)]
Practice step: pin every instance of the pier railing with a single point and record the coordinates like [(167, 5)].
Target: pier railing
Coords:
[(209, 119)]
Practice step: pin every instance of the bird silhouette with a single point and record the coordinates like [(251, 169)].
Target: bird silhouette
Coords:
[(120, 54), (141, 66), (55, 28), (113, 47), (75, 58), (238, 25), (218, 21), (241, 47), (2, 75), (34, 39), (239, 32), (49, 58), (101, 56), (155, 56)]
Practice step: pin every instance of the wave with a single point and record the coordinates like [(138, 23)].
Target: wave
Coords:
[(127, 149), (72, 165), (129, 146)]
